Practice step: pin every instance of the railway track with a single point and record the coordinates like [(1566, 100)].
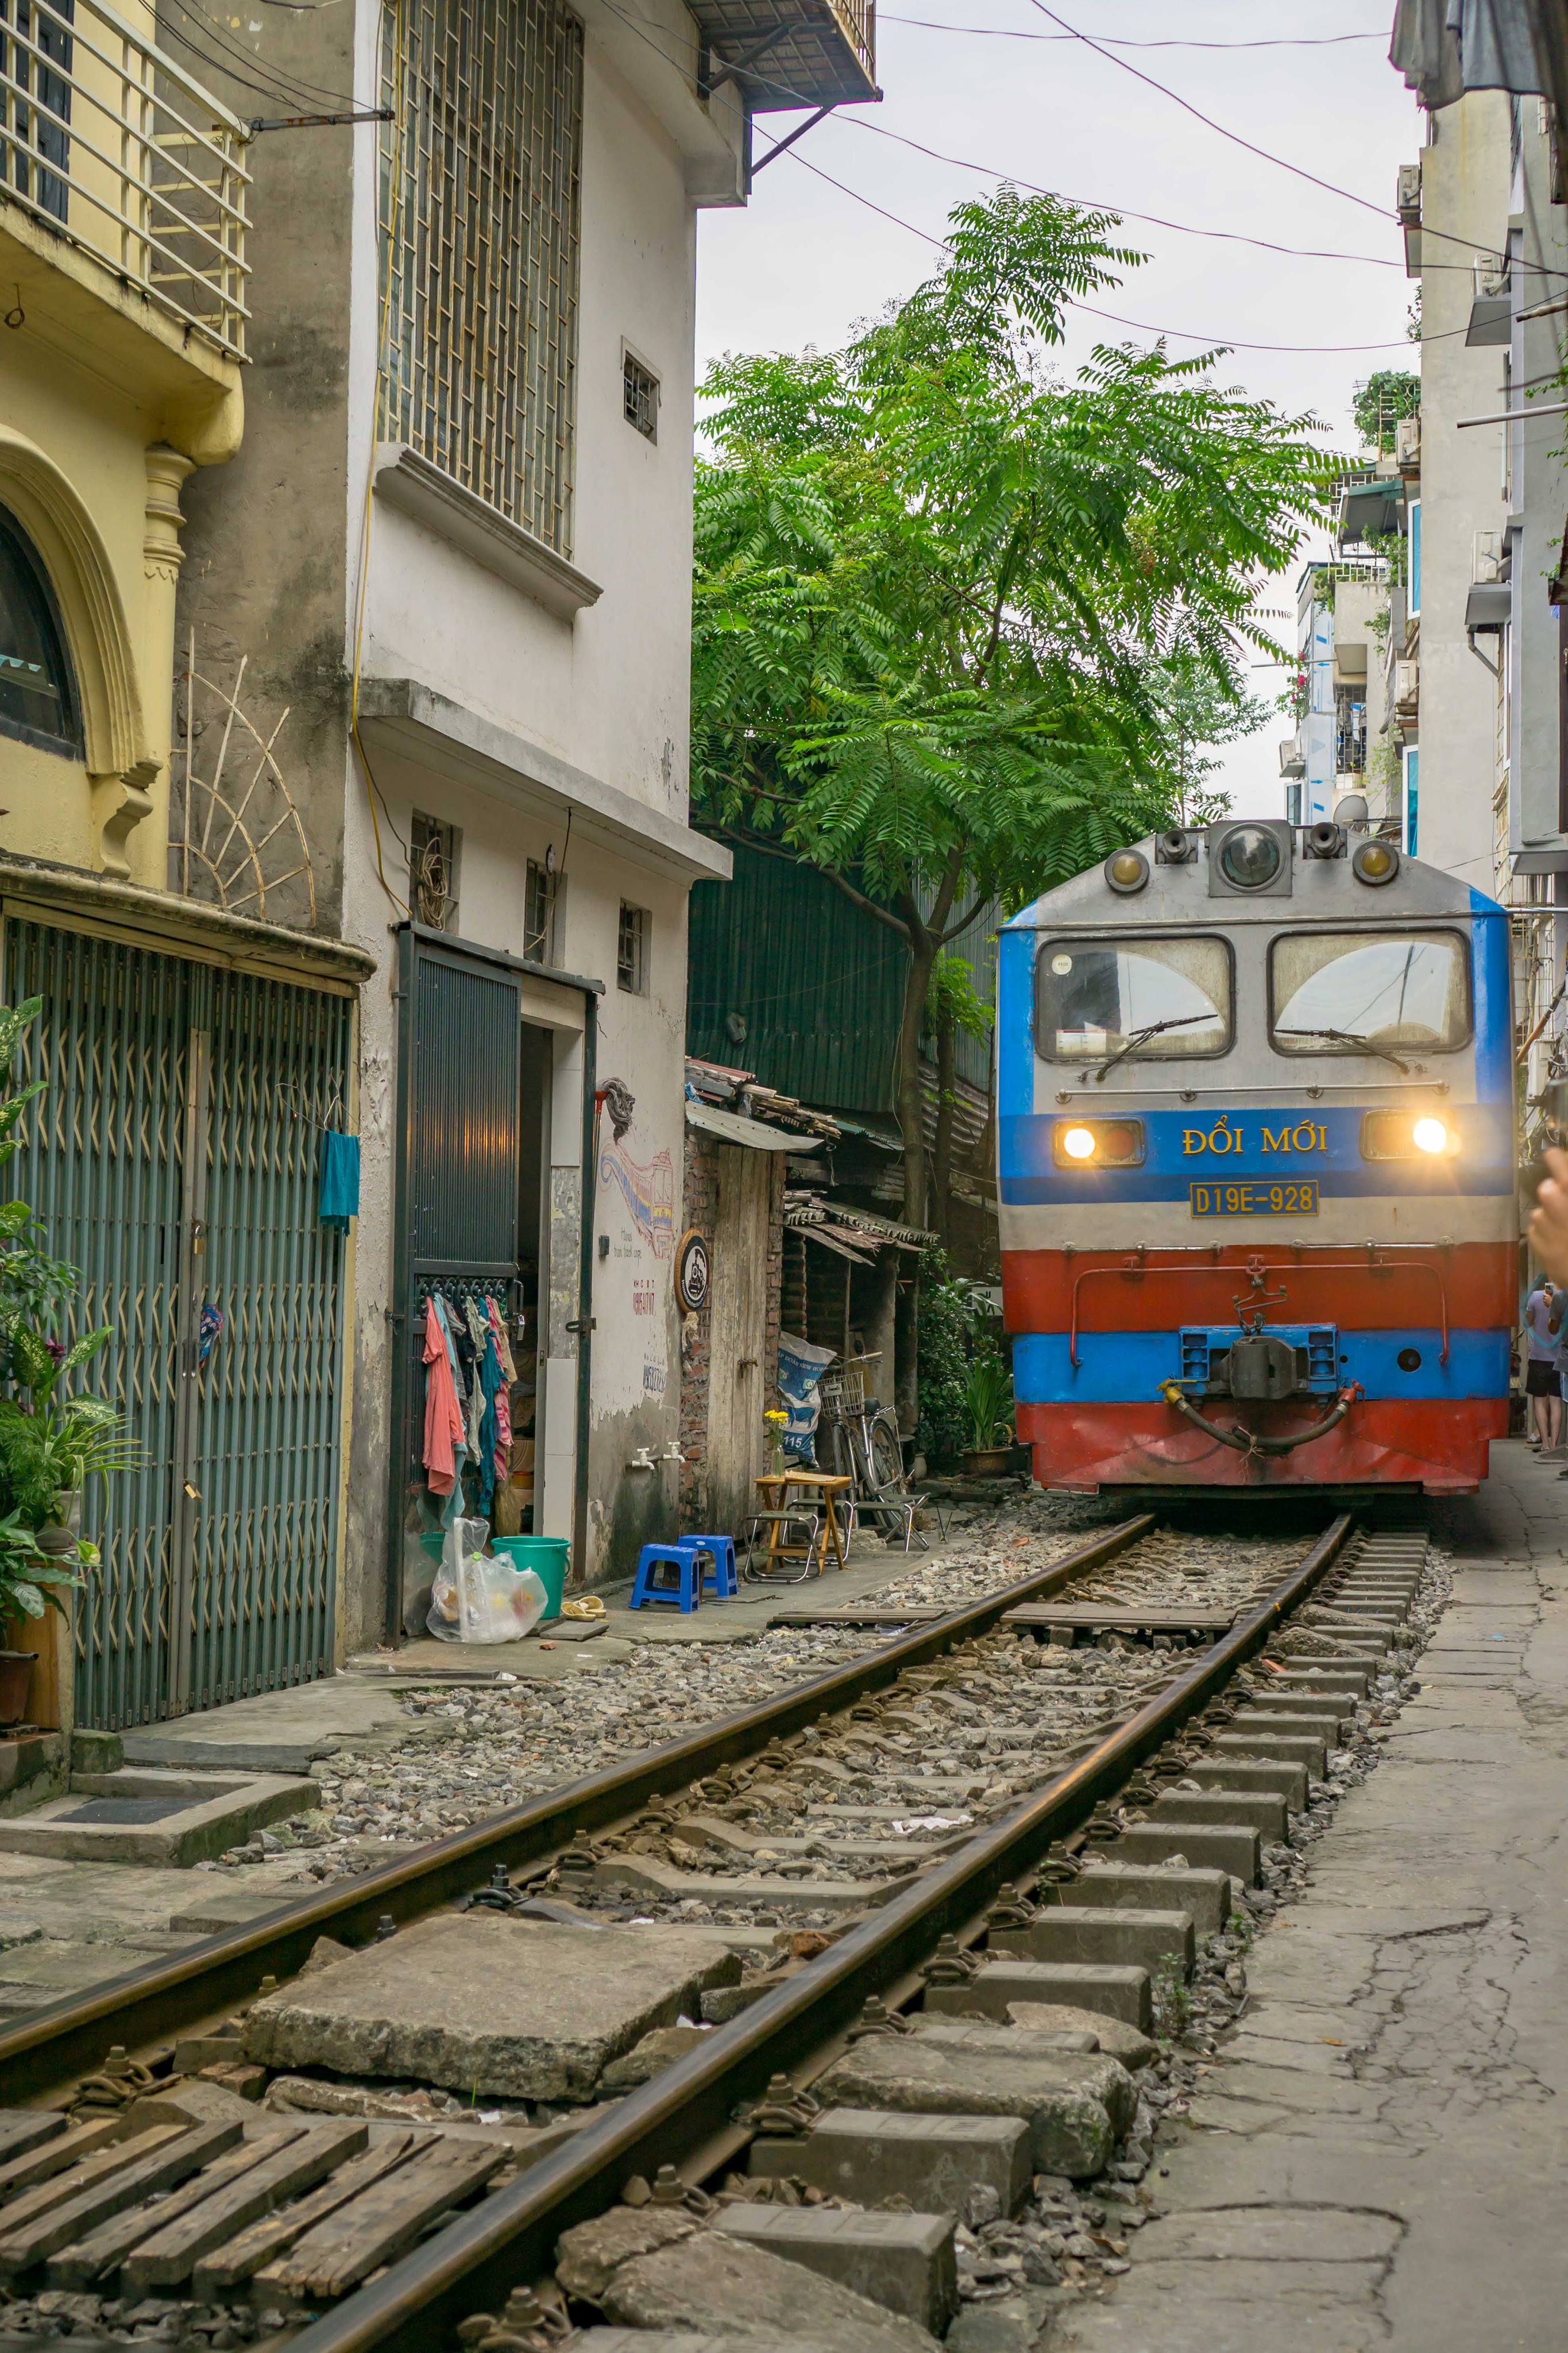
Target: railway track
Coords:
[(1089, 1788)]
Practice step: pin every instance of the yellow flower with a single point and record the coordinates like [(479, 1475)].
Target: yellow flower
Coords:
[(773, 1414)]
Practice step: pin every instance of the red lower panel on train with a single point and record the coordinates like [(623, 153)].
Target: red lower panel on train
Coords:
[(1439, 1445), (1470, 1285)]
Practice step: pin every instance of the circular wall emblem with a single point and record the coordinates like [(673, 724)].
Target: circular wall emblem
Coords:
[(693, 1273)]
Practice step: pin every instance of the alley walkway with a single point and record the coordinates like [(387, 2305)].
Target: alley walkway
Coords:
[(1381, 2159)]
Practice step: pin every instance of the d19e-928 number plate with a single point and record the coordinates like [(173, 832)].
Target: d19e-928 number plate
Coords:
[(1259, 1198)]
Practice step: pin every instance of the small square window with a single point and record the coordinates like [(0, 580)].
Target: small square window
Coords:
[(640, 391), (631, 953), (542, 909), (433, 847)]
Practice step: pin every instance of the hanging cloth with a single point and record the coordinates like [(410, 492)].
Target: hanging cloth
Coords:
[(503, 1395), (444, 1434), (459, 1382), (339, 1180), (490, 1381)]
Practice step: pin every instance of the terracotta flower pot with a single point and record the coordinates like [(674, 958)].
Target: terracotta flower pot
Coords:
[(15, 1672), (988, 1462)]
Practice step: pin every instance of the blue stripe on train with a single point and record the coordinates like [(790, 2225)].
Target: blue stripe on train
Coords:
[(1127, 1367), (1028, 1174)]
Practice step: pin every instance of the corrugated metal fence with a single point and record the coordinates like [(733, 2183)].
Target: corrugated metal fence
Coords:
[(174, 1160)]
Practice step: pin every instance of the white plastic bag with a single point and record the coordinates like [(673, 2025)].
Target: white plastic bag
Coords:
[(463, 1538), (499, 1602)]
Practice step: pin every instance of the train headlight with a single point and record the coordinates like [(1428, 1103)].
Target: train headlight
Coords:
[(1409, 1136), (1375, 862), (1127, 871), (1106, 1142), (1249, 858)]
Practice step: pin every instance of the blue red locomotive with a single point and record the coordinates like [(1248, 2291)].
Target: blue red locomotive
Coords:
[(1257, 1166)]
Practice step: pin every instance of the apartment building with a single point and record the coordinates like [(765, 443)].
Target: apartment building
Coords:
[(405, 825)]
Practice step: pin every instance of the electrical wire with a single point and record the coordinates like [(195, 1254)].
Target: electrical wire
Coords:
[(1179, 335), (243, 65), (1267, 154), (1116, 41), (383, 327)]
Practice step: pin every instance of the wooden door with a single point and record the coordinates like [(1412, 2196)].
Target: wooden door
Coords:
[(737, 1437)]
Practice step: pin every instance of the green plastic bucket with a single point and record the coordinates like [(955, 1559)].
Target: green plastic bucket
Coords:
[(546, 1556)]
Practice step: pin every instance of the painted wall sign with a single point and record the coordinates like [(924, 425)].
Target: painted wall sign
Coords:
[(693, 1273)]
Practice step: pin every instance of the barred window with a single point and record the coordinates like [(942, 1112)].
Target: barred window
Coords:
[(640, 397), (631, 951), (541, 906), (479, 203)]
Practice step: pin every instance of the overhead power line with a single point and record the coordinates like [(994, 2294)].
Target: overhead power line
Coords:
[(1120, 41), (1267, 154)]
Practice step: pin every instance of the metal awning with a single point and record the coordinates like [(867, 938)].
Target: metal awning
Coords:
[(731, 1127), (1370, 510), (793, 53)]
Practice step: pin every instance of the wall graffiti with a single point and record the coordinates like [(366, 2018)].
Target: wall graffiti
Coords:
[(648, 1192)]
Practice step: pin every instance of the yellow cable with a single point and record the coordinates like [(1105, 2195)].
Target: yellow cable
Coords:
[(372, 788)]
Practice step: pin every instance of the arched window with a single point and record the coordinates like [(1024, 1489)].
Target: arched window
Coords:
[(37, 693)]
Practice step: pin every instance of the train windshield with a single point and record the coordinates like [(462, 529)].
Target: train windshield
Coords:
[(1164, 997), (1348, 992)]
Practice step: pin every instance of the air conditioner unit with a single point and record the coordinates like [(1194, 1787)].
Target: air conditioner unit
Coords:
[(1292, 759), (1486, 557), (1407, 445), (1406, 685), (1408, 195), (1491, 272)]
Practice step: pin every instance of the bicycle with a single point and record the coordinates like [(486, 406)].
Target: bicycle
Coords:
[(862, 1438)]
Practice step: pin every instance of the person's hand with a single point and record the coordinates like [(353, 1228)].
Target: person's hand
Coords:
[(1549, 1221)]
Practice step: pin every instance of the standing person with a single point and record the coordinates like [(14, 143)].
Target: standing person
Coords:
[(1541, 1384)]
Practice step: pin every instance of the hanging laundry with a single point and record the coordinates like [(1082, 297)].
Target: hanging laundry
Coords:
[(339, 1199), (458, 1383), (498, 1325), (490, 1380), (443, 1435), (503, 1395)]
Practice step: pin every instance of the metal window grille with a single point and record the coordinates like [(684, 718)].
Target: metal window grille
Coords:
[(539, 914), (479, 236), (631, 953), (640, 388), (433, 871)]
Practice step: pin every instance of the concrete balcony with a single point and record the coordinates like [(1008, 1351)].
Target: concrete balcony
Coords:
[(793, 53)]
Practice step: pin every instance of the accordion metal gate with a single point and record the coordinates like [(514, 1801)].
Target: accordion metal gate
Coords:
[(173, 1159)]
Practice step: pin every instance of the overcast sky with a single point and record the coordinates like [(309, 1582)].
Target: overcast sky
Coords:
[(805, 260)]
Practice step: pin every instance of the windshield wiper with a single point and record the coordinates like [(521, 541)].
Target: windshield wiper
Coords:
[(1142, 1038), (1354, 1038)]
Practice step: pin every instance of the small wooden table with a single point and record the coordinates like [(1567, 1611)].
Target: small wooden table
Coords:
[(818, 1491)]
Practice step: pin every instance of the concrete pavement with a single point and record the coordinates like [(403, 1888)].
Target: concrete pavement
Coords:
[(1380, 2159)]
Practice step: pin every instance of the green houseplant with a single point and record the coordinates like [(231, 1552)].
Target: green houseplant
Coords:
[(51, 1444), (988, 1408)]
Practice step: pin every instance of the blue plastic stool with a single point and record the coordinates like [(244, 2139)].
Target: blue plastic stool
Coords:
[(719, 1574), (685, 1593)]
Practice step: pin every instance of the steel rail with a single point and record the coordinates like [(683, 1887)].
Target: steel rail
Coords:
[(471, 2266), (43, 2054)]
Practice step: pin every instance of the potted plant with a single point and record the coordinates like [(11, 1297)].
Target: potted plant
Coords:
[(30, 1584), (50, 1444), (989, 1409)]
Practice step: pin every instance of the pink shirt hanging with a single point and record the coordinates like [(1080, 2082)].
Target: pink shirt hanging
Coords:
[(503, 1395), (443, 1422)]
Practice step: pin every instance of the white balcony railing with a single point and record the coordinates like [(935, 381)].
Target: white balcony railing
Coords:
[(859, 19), (107, 143)]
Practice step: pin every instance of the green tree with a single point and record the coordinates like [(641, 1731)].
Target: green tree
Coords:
[(1198, 714), (1378, 404), (937, 581)]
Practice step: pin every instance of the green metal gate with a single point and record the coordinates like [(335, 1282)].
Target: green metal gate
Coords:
[(175, 1161)]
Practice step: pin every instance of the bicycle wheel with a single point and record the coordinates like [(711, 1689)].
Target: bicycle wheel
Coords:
[(884, 1454)]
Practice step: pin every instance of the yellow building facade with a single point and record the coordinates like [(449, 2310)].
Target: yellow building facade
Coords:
[(121, 343)]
